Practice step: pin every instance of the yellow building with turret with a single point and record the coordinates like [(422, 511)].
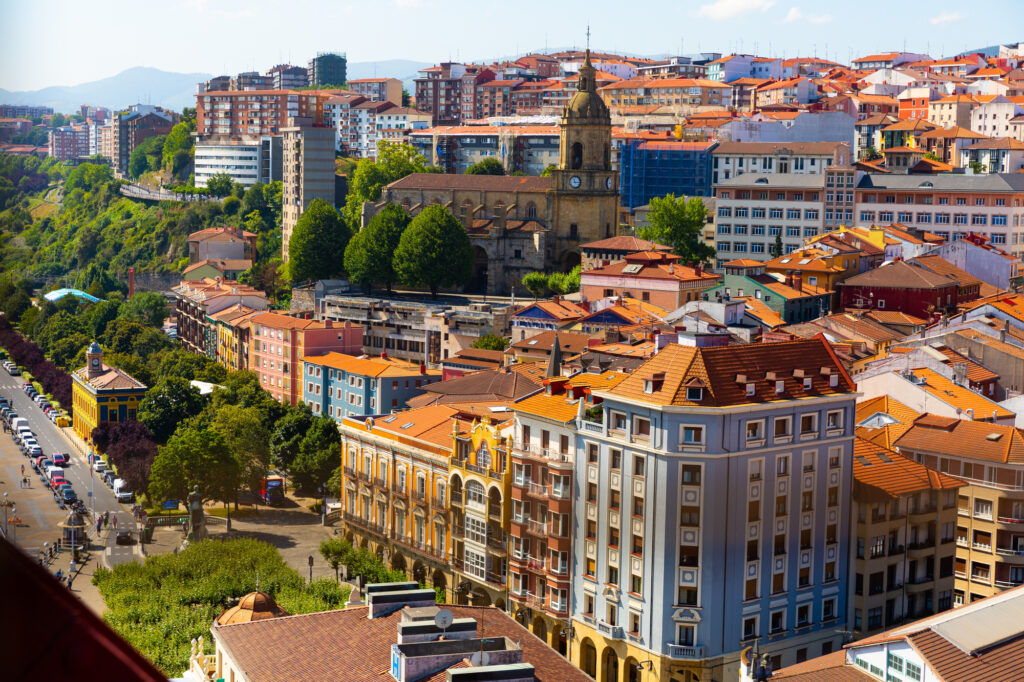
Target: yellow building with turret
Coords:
[(101, 393)]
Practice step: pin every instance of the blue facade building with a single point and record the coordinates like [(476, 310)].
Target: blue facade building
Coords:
[(651, 169), (340, 385), (712, 512)]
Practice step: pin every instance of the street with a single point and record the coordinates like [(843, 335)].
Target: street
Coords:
[(35, 506)]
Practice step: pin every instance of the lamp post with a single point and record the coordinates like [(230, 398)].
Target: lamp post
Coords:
[(92, 483), (311, 568)]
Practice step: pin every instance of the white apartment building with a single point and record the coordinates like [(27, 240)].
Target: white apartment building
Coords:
[(993, 118), (732, 159), (247, 160), (395, 124), (753, 209), (338, 111)]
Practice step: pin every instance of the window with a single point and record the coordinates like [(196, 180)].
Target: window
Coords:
[(638, 506), (755, 430), (641, 427), (778, 621), (809, 423), (803, 615), (782, 465), (750, 628), (638, 465), (691, 474), (693, 435), (783, 427), (638, 545)]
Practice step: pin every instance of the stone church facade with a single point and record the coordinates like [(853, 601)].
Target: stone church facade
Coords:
[(520, 224)]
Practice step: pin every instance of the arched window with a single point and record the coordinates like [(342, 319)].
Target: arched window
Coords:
[(576, 159), (475, 493)]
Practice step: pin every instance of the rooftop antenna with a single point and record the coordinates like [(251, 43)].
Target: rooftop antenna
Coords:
[(588, 37)]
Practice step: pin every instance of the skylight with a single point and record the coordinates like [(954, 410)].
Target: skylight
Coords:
[(407, 425), (391, 418)]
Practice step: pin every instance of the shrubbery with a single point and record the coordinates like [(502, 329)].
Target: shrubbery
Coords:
[(160, 606)]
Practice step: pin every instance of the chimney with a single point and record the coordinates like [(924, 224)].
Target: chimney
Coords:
[(423, 368), (798, 282), (556, 299), (131, 282)]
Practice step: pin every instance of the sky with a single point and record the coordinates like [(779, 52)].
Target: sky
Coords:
[(60, 42)]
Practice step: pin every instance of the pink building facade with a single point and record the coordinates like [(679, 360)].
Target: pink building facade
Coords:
[(279, 342)]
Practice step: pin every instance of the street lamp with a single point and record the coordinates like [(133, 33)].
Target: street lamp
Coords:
[(311, 568)]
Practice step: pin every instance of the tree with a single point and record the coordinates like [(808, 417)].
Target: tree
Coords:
[(490, 342), (319, 454), (536, 283), (194, 456), (147, 156), (680, 224), (287, 436), (231, 205), (130, 447), (178, 140), (147, 307), (170, 402), (370, 255), (488, 166), (317, 244), (870, 154), (181, 363), (546, 173), (932, 156), (434, 251), (777, 246), (394, 161), (219, 184), (977, 167), (247, 434)]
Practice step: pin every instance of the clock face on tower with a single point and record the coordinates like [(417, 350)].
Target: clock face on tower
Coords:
[(574, 182), (608, 183), (95, 362)]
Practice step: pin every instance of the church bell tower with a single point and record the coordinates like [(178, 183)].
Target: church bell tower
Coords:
[(585, 188)]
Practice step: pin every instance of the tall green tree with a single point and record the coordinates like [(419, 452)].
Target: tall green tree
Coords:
[(194, 456), (170, 402), (247, 434), (434, 251), (370, 255), (219, 184), (536, 283), (147, 307), (179, 139), (488, 166), (288, 434), (680, 224), (394, 161), (777, 246), (319, 454), (317, 247)]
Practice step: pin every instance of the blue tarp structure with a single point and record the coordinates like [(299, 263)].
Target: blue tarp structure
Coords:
[(58, 294)]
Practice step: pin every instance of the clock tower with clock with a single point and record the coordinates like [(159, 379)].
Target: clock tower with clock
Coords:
[(585, 189)]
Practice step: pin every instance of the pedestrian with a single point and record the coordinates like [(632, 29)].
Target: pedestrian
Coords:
[(114, 522), (22, 469), (99, 525)]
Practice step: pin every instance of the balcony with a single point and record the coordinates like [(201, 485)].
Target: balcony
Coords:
[(687, 652), (400, 490), (419, 496), (1007, 551), (1009, 583), (437, 501), (608, 630), (456, 498), (547, 456), (350, 472), (1010, 519), (380, 483), (494, 510), (981, 547)]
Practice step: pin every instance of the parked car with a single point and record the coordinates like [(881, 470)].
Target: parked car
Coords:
[(123, 537), (121, 491), (109, 477), (99, 466), (68, 494), (35, 451), (43, 463), (60, 459)]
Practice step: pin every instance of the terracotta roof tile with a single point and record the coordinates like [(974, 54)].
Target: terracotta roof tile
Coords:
[(828, 668), (963, 438), (369, 366), (626, 243), (489, 183), (719, 371), (888, 434), (880, 473), (303, 648)]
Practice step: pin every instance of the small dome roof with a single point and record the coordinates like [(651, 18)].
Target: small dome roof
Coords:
[(94, 348), (253, 606), (586, 105)]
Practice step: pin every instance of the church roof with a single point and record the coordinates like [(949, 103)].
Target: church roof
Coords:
[(486, 183), (586, 103)]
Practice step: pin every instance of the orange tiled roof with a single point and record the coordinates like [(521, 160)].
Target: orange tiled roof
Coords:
[(109, 379), (369, 366), (964, 438), (888, 434), (958, 396), (562, 310), (828, 668), (881, 473), (724, 373)]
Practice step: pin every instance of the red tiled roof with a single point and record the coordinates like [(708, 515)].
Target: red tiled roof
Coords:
[(881, 474)]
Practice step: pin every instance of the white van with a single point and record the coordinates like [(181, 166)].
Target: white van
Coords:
[(17, 423), (54, 470), (121, 491)]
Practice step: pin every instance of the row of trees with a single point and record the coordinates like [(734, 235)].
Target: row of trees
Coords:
[(541, 284), (54, 380), (431, 250), (363, 563)]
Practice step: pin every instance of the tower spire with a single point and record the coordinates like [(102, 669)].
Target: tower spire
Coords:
[(587, 57)]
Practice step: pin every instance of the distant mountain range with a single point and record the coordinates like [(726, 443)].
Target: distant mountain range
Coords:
[(135, 85), (170, 90)]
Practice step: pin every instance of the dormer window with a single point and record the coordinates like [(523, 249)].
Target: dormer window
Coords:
[(807, 383), (694, 394), (833, 380), (780, 386), (750, 389)]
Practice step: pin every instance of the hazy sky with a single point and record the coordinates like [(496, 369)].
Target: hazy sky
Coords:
[(59, 42)]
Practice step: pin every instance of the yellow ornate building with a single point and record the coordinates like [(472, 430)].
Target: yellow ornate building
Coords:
[(101, 393), (394, 492), (481, 485)]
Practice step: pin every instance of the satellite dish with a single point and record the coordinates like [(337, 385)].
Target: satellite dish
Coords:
[(444, 619), (480, 658)]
